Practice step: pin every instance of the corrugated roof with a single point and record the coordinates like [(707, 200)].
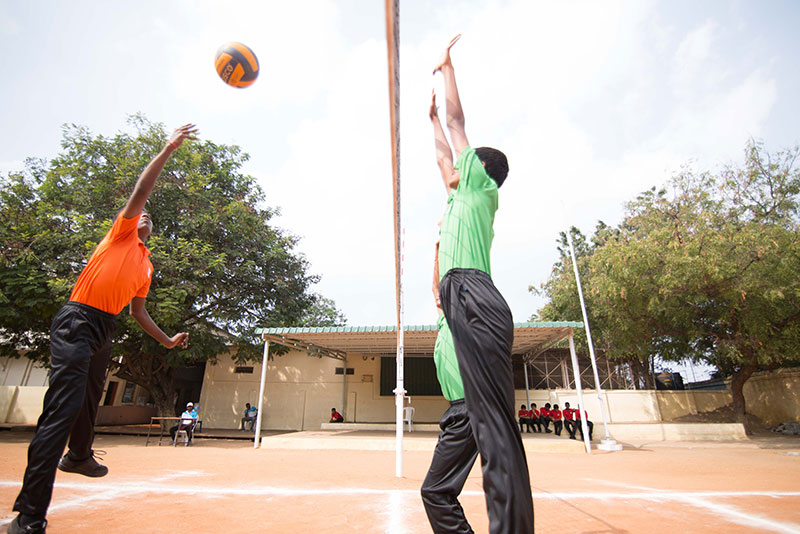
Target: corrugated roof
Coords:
[(417, 339)]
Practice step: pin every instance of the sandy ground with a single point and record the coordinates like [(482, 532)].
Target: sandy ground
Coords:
[(227, 486)]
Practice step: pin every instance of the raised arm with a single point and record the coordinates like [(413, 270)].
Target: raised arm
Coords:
[(139, 312), (455, 115), (436, 279), (444, 155), (146, 181)]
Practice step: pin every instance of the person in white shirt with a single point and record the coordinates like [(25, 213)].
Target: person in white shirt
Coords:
[(187, 422)]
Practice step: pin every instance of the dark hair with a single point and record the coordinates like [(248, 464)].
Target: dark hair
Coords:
[(495, 163), (333, 409)]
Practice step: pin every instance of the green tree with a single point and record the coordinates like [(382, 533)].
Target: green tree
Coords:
[(706, 269), (221, 268)]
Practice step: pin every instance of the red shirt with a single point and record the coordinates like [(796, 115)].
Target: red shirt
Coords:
[(578, 414), (555, 414), (523, 413), (569, 413), (544, 412), (336, 416), (118, 270)]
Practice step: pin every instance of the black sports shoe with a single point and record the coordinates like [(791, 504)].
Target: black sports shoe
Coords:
[(88, 467), (37, 527)]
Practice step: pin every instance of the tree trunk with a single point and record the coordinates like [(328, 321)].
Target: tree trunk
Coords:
[(150, 373), (165, 404), (737, 391)]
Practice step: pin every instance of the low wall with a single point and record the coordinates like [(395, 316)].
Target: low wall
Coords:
[(8, 395), (774, 396), (125, 415), (673, 431), (26, 406)]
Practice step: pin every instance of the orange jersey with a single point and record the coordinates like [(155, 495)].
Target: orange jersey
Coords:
[(118, 270)]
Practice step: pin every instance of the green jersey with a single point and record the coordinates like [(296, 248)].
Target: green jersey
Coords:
[(467, 233), (444, 356)]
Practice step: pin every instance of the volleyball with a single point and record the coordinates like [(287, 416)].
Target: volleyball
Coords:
[(236, 64)]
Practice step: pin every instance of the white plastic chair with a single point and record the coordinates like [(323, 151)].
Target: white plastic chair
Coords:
[(181, 432), (408, 416)]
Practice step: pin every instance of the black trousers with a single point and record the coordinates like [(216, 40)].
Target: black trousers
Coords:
[(188, 427), (483, 332), (524, 422), (452, 461), (589, 425), (569, 425), (557, 424), (80, 349), (545, 423)]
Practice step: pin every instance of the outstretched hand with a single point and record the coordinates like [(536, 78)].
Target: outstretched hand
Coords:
[(187, 131), (433, 112), (446, 56), (181, 340)]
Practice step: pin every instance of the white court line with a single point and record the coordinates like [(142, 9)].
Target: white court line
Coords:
[(728, 512), (395, 497), (132, 486)]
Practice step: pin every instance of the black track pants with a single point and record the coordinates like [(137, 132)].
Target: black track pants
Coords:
[(80, 347), (452, 461), (589, 425), (483, 332)]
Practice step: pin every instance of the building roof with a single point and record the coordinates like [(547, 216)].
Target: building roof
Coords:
[(336, 341)]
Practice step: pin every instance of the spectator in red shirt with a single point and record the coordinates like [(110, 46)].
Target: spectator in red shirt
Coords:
[(545, 418), (588, 423), (534, 417), (569, 420), (555, 415), (336, 417), (524, 419)]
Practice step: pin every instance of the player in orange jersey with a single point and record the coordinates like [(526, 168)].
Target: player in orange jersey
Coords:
[(118, 272)]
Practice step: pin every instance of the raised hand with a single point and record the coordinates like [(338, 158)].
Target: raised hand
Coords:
[(445, 60), (187, 131), (433, 112)]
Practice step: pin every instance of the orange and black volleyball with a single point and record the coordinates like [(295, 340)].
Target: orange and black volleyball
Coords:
[(236, 64)]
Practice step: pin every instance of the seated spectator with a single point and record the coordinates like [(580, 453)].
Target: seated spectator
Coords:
[(250, 413), (336, 417), (555, 415), (524, 420), (589, 424), (534, 416), (569, 420), (544, 417), (187, 422)]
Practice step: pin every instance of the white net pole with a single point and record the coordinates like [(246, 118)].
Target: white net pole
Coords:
[(393, 50), (610, 443)]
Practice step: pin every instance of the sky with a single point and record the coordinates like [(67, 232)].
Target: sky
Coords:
[(592, 101)]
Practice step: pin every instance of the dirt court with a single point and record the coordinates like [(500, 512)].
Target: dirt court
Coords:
[(227, 486)]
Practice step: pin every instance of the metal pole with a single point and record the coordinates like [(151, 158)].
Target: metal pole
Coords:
[(527, 389), (259, 415), (344, 389), (393, 53), (577, 372), (608, 442)]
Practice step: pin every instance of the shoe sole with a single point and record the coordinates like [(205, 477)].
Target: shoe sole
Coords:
[(68, 469)]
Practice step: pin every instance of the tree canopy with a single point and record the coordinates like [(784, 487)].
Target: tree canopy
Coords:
[(704, 269), (221, 268)]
